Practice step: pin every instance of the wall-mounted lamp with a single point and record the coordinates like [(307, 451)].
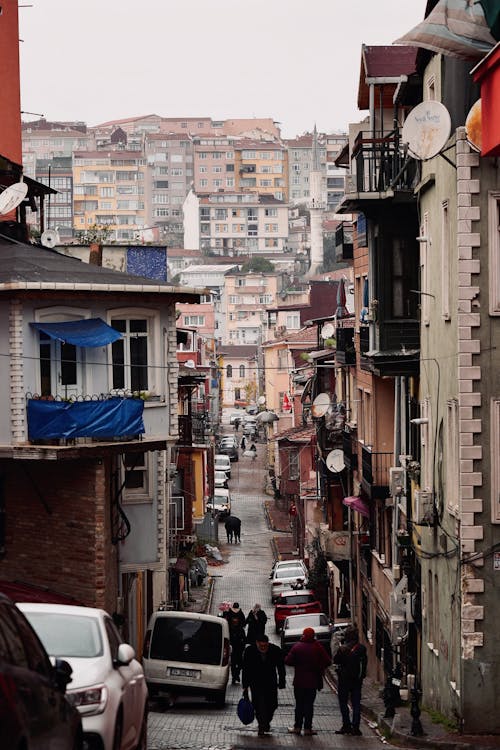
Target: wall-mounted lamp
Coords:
[(420, 420)]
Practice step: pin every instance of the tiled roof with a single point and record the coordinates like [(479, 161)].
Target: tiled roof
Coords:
[(296, 434), (238, 351)]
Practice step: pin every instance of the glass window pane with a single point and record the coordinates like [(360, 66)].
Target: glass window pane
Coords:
[(117, 349), (138, 363)]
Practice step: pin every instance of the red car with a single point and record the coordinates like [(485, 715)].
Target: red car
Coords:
[(302, 602)]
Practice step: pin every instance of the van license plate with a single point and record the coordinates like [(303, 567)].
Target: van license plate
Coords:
[(177, 672), (298, 610)]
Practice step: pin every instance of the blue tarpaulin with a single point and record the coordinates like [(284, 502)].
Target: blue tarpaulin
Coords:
[(86, 332), (111, 418)]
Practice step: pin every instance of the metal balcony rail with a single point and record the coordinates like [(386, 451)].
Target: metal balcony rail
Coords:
[(381, 164), (375, 466)]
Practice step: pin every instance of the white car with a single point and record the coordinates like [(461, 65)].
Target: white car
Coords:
[(293, 563), (220, 479), (220, 503), (234, 417), (222, 463), (108, 686), (287, 578)]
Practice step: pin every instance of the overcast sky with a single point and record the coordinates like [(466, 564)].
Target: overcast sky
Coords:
[(296, 61)]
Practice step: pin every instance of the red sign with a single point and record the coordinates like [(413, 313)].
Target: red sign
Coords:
[(286, 405)]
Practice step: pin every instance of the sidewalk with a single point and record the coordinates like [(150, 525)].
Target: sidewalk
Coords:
[(397, 729)]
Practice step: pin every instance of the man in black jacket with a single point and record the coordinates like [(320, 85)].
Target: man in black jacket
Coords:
[(237, 638), (263, 672), (351, 660)]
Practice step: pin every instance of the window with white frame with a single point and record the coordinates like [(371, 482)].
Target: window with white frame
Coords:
[(494, 251), (451, 457), (136, 478), (131, 355), (194, 320), (293, 464), (293, 320), (242, 371), (445, 261), (495, 459), (282, 359)]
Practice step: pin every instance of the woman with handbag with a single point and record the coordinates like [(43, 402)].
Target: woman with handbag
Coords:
[(310, 660)]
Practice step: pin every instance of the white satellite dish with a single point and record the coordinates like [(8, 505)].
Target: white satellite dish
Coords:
[(320, 405), (261, 400), (12, 196), (50, 238), (189, 363), (335, 461), (327, 331), (426, 129)]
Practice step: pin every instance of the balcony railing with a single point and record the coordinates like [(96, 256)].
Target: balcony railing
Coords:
[(193, 429), (350, 452), (102, 418), (364, 347), (381, 165), (375, 472), (345, 353)]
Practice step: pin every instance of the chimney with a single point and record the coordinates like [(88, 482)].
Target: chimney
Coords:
[(10, 94)]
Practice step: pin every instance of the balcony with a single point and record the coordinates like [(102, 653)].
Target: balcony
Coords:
[(345, 353), (375, 472), (193, 429), (380, 173), (349, 446), (106, 418), (364, 347), (343, 242)]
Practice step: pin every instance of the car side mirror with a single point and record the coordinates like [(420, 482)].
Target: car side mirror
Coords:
[(125, 655), (62, 674)]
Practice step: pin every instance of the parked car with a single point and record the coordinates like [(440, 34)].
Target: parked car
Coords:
[(108, 686), (220, 503), (282, 564), (295, 603), (220, 479), (187, 653), (252, 409), (229, 447), (287, 578), (294, 625), (222, 463), (34, 712), (234, 417)]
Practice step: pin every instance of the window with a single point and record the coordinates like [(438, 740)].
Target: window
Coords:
[(293, 321), (203, 183), (130, 354), (61, 365), (242, 371), (283, 359), (494, 251), (106, 192), (451, 458), (136, 477), (271, 212), (194, 320), (229, 371), (293, 464), (271, 227)]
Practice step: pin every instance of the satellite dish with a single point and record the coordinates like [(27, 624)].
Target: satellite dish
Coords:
[(426, 129), (327, 331), (12, 197), (473, 126), (335, 461), (261, 400), (50, 238), (320, 405), (189, 363)]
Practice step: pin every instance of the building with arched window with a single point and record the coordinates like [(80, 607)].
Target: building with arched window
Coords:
[(239, 374)]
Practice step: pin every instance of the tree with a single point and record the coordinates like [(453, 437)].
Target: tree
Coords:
[(259, 265)]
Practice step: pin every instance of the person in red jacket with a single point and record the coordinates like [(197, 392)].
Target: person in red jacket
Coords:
[(310, 660)]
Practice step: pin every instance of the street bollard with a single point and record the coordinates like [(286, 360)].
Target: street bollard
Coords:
[(416, 725)]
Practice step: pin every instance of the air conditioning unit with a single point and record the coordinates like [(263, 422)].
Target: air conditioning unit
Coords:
[(396, 480), (399, 629), (423, 508)]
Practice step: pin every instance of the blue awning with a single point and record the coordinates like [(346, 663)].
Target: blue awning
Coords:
[(87, 332), (110, 418)]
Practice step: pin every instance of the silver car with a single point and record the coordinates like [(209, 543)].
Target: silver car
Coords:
[(293, 627)]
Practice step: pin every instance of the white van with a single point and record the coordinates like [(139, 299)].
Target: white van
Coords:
[(223, 463), (220, 503), (187, 653)]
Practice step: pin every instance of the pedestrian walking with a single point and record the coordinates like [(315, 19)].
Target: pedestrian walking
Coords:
[(264, 673), (256, 622), (253, 450), (309, 659), (350, 660), (243, 443), (237, 639)]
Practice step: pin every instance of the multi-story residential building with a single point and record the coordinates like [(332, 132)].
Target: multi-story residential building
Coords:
[(262, 167), (170, 161), (57, 173), (246, 297), (213, 164), (109, 192), (239, 374), (235, 223)]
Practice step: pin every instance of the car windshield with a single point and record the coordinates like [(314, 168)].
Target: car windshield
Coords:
[(289, 573), (193, 641), (307, 621), (299, 599), (67, 635)]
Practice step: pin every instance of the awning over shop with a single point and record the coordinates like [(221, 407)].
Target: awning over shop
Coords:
[(358, 504), (86, 333)]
